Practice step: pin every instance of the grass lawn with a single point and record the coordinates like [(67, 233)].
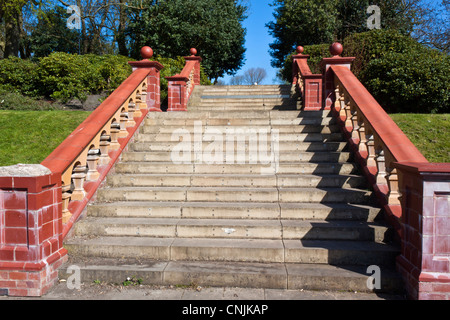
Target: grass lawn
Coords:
[(30, 136), (429, 132)]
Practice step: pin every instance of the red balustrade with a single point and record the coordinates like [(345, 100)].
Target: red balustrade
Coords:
[(40, 203), (181, 85)]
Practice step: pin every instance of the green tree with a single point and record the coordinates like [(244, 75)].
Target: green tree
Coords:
[(51, 34), (309, 22), (11, 17), (304, 22), (172, 27)]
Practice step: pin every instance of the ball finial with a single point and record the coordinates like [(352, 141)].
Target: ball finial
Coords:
[(336, 49), (146, 52), (299, 50), (193, 51)]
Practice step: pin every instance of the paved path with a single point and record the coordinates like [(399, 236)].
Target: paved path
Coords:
[(116, 292)]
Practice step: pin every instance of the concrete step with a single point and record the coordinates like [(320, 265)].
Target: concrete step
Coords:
[(244, 107), (243, 88), (269, 128), (250, 114), (236, 121), (218, 100), (282, 146), (257, 169), (249, 89), (222, 194), (213, 134), (242, 250), (235, 210), (244, 91), (295, 156), (233, 229), (225, 274), (236, 180)]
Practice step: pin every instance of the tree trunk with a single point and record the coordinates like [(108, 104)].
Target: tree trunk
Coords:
[(12, 35), (121, 40)]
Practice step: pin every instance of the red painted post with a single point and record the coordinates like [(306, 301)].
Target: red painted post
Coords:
[(153, 99), (328, 77), (31, 247)]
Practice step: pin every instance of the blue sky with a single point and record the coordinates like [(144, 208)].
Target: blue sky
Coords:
[(258, 39)]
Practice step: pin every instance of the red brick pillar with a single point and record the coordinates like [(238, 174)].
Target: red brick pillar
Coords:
[(197, 60), (295, 68), (176, 93), (178, 84), (153, 79), (424, 262), (313, 92), (31, 247), (312, 83), (327, 76)]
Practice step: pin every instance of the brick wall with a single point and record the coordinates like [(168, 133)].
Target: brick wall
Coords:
[(425, 247), (30, 230)]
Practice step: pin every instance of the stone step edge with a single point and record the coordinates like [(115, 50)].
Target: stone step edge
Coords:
[(234, 228), (232, 250), (245, 210), (236, 274)]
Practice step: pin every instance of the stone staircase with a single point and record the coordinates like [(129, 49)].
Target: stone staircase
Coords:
[(303, 220)]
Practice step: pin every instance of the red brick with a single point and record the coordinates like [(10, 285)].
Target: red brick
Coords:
[(33, 236), (15, 200), (33, 218), (18, 292), (432, 296), (18, 276), (7, 254), (15, 218), (45, 249), (47, 214), (15, 236), (46, 232), (34, 276), (25, 254), (29, 183), (6, 182), (8, 284)]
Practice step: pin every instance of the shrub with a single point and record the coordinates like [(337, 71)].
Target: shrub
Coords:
[(316, 53), (410, 82), (402, 75), (10, 100), (375, 44), (17, 75), (110, 70), (62, 76)]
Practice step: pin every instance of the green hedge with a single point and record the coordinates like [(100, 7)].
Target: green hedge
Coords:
[(413, 82), (62, 76), (402, 75), (316, 53)]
